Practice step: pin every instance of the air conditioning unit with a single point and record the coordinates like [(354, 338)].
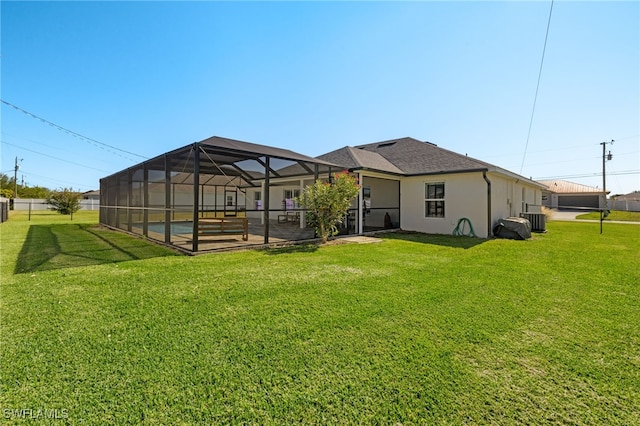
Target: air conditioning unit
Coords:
[(538, 221)]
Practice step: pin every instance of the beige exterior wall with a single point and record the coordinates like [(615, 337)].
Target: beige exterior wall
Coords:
[(466, 196), (510, 197)]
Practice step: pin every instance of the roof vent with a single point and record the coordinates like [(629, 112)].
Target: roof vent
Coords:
[(382, 145)]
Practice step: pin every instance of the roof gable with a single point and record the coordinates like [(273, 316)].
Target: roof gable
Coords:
[(354, 159)]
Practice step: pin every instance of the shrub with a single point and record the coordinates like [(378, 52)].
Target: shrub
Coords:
[(65, 201), (327, 203)]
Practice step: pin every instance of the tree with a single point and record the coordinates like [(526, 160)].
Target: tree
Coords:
[(6, 193), (7, 185), (65, 201), (34, 192), (327, 203), (7, 182)]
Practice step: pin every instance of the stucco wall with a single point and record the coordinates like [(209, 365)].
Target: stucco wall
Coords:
[(465, 196), (510, 197)]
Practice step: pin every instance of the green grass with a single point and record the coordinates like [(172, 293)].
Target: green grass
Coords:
[(416, 329), (614, 215)]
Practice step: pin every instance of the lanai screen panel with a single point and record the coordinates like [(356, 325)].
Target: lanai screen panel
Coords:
[(165, 198), (155, 191), (136, 202), (381, 203), (223, 183)]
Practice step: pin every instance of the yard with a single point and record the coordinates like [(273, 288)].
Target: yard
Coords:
[(613, 215), (99, 327)]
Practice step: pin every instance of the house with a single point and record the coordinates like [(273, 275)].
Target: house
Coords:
[(91, 195), (221, 193), (429, 189), (561, 194)]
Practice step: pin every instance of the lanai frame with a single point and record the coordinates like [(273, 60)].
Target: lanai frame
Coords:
[(184, 185)]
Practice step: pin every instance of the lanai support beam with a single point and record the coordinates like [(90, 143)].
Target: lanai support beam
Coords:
[(267, 190), (167, 199), (196, 197), (145, 197)]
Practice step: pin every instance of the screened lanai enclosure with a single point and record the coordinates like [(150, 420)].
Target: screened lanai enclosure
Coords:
[(216, 194)]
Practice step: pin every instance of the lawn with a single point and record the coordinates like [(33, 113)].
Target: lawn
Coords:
[(102, 328), (613, 215)]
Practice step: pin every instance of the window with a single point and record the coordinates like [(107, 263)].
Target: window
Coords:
[(291, 193), (289, 202), (434, 199)]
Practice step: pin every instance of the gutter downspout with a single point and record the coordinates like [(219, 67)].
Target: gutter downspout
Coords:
[(486, 179)]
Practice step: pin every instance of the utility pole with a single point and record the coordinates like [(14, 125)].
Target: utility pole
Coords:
[(603, 211), (15, 179)]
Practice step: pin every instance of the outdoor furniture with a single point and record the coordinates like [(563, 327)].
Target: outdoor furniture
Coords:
[(289, 217), (224, 226)]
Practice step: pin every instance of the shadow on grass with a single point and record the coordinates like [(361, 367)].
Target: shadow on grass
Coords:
[(441, 240), (416, 237), (58, 246)]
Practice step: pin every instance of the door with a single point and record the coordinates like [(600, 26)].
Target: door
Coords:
[(230, 202)]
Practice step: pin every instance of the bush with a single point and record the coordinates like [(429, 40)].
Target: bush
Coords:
[(65, 201), (328, 203)]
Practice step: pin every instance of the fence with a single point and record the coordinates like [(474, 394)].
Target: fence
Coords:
[(624, 205), (4, 209), (34, 204)]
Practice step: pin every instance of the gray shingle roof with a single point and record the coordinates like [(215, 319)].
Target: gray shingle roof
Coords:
[(353, 158), (406, 156)]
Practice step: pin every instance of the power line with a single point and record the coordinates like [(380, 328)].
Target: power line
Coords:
[(535, 98), (51, 156), (94, 142), (56, 180), (588, 175)]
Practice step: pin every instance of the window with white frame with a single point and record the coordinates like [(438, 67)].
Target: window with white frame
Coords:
[(434, 199)]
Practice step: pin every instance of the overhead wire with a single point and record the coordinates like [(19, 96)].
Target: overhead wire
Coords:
[(588, 175), (101, 145), (31, 174), (51, 156), (535, 98)]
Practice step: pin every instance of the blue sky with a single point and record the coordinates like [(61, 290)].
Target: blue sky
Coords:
[(149, 77)]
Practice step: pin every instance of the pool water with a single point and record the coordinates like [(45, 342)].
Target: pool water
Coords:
[(176, 228)]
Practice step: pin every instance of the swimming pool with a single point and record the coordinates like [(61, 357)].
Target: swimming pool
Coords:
[(176, 228)]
